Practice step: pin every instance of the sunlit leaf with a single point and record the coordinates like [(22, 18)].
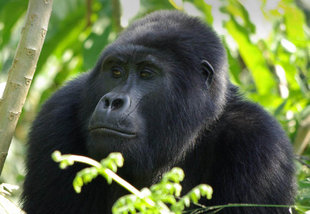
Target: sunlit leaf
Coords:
[(252, 57)]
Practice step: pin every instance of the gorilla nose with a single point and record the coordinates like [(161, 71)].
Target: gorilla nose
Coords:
[(115, 102)]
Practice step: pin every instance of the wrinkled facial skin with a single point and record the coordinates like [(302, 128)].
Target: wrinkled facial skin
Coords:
[(136, 106), (124, 83)]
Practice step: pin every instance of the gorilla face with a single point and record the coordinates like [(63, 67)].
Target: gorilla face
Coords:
[(143, 101), (152, 91), (127, 80)]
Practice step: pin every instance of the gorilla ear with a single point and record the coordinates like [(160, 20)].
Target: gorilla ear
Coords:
[(207, 71)]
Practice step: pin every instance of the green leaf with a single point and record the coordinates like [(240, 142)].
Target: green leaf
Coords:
[(237, 10), (206, 9), (10, 13), (295, 23), (234, 65), (56, 156), (252, 57), (77, 184), (206, 190), (186, 201)]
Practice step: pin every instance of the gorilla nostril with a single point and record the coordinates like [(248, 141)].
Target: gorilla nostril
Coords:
[(117, 103)]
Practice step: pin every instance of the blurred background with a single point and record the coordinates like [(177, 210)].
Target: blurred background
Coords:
[(267, 42)]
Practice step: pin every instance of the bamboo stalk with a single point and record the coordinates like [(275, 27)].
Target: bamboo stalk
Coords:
[(22, 71)]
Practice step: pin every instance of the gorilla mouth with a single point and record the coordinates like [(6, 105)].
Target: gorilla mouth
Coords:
[(113, 131)]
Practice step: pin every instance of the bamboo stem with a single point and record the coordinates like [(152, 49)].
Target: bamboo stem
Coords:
[(22, 71)]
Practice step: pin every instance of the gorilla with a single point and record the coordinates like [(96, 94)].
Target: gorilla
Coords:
[(160, 95)]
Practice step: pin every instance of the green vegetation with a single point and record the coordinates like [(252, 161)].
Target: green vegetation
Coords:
[(149, 200), (267, 42), (163, 197)]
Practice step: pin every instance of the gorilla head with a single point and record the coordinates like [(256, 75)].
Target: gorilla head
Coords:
[(153, 90), (160, 95)]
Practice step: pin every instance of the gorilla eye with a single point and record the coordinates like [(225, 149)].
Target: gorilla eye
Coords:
[(116, 73), (146, 74)]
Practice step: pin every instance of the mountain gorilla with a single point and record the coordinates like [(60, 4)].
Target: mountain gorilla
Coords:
[(160, 95)]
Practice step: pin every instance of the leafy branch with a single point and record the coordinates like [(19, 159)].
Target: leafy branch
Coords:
[(149, 200)]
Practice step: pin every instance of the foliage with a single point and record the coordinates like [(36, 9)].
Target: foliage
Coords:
[(267, 42), (149, 200), (162, 197)]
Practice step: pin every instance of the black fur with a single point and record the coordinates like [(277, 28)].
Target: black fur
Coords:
[(181, 118)]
